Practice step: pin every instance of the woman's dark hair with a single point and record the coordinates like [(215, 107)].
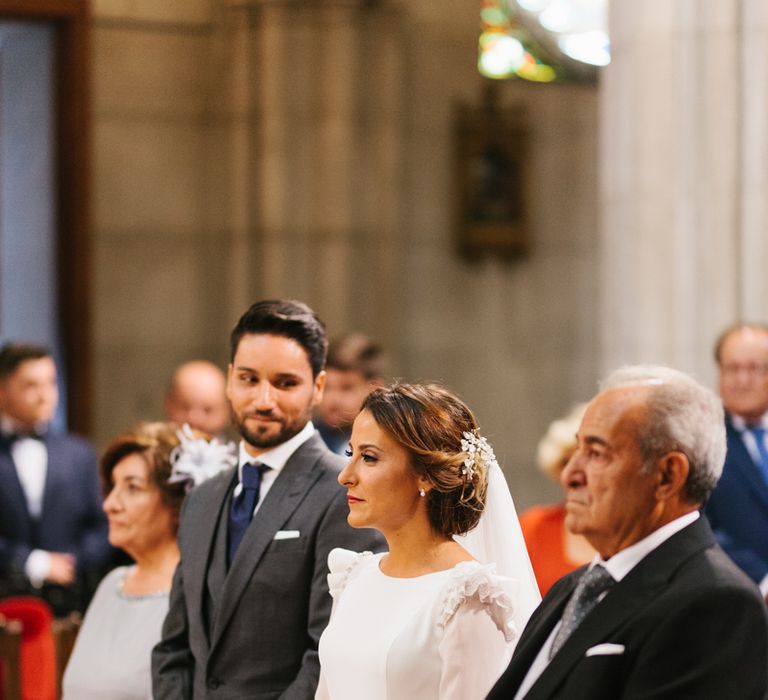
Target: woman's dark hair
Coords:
[(429, 422), (290, 319), (154, 442)]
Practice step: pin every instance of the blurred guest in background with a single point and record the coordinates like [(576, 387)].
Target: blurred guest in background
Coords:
[(197, 396), (554, 550), (53, 534), (738, 507), (356, 366), (146, 474)]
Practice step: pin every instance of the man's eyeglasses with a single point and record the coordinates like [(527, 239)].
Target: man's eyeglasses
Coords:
[(753, 369)]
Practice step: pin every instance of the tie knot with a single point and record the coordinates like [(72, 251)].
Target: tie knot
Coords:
[(757, 430), (252, 473), (595, 581)]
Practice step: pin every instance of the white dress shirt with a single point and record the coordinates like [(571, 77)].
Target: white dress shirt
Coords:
[(618, 566), (30, 457), (275, 458)]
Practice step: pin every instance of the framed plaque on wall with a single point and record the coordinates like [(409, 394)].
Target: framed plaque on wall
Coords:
[(491, 179)]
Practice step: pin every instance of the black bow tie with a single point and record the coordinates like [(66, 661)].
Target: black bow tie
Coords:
[(25, 435)]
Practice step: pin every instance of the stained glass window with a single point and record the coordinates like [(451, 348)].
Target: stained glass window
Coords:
[(540, 39)]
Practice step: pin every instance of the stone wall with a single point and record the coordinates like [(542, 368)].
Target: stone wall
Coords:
[(265, 148)]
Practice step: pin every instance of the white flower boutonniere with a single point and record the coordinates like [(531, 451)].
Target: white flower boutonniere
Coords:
[(196, 460)]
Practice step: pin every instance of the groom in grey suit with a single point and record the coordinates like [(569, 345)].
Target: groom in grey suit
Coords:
[(250, 597)]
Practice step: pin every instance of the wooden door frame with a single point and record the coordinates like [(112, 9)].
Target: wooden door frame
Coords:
[(71, 20)]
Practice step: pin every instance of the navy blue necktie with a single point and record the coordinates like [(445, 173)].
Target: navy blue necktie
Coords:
[(241, 511), (758, 433)]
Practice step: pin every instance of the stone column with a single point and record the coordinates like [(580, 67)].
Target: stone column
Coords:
[(683, 178), (754, 152), (324, 150)]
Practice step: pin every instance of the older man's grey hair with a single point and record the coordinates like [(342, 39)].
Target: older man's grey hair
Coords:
[(683, 416)]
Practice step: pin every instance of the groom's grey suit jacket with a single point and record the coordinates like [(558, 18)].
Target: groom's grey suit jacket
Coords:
[(253, 632)]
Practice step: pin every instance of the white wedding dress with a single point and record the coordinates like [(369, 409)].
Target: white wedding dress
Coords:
[(443, 636), (447, 635)]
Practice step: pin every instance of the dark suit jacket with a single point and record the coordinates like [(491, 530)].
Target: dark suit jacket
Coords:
[(71, 520), (253, 632), (336, 440), (692, 626), (738, 508)]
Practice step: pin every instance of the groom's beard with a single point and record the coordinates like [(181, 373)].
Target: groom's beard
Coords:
[(264, 435)]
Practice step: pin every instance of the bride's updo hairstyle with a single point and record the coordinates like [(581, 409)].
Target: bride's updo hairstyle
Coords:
[(430, 422)]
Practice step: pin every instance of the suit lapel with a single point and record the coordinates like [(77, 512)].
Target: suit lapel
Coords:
[(633, 592), (15, 499), (217, 562), (197, 554), (538, 630), (295, 479), (56, 478)]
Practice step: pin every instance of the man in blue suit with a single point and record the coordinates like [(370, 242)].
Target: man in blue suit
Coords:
[(738, 507), (53, 533)]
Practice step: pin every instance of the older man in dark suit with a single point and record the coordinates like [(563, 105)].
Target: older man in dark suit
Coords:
[(250, 596), (53, 533), (661, 612)]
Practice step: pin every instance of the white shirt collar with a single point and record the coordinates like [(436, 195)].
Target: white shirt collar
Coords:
[(621, 563), (276, 457), (10, 426), (741, 425)]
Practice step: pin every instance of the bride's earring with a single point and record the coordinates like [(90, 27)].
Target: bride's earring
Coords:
[(422, 493)]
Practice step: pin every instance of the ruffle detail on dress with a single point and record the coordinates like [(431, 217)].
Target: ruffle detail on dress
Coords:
[(341, 564), (473, 581)]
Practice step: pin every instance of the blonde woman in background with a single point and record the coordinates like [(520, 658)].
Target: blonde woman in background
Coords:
[(555, 551)]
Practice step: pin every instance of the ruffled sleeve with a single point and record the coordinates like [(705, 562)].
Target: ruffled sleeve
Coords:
[(477, 618), (341, 565), (475, 583)]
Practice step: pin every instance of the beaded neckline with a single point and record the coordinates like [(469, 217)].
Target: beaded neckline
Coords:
[(131, 596)]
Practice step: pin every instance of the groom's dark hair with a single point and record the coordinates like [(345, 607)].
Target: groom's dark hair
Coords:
[(287, 318)]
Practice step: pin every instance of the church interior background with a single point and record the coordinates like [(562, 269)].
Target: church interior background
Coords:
[(243, 149)]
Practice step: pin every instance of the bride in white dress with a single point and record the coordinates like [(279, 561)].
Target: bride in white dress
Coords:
[(437, 616)]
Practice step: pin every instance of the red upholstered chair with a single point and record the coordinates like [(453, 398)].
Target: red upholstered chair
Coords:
[(65, 630), (10, 652), (38, 654)]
